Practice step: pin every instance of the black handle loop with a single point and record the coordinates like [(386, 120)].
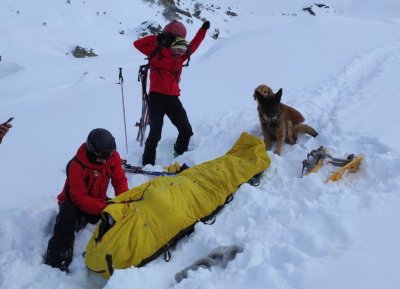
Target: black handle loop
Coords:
[(109, 264), (229, 199), (254, 181), (210, 221), (167, 256)]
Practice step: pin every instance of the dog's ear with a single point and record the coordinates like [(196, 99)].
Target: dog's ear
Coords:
[(278, 95)]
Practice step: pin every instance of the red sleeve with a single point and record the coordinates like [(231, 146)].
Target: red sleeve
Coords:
[(79, 193), (146, 45), (118, 178), (198, 38)]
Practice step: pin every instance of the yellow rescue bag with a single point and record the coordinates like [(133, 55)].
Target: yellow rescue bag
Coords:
[(145, 221)]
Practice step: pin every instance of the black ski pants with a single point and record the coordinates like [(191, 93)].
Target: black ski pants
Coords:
[(160, 105), (61, 246)]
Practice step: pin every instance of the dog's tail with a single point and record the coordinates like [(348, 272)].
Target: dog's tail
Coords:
[(294, 131), (303, 128)]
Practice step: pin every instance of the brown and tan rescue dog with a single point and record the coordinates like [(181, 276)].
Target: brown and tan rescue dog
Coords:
[(279, 122)]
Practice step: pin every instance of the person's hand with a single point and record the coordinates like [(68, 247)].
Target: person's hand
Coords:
[(206, 25), (4, 130), (165, 39)]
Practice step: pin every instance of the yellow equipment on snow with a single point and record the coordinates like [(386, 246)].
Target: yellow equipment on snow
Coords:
[(173, 169), (144, 222), (319, 157)]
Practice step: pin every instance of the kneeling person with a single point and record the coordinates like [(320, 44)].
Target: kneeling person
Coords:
[(84, 195)]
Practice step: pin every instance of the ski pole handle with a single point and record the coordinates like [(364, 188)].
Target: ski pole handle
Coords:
[(8, 121), (121, 79)]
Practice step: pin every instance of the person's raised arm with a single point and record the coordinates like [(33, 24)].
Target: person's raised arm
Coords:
[(199, 37)]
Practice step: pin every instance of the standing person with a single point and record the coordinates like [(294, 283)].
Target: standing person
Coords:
[(166, 53), (84, 195)]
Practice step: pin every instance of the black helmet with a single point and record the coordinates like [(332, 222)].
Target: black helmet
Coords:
[(100, 140)]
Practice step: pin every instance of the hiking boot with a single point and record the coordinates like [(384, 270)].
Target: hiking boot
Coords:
[(149, 157), (62, 260), (64, 267)]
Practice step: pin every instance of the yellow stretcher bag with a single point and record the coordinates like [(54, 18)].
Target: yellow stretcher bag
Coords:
[(146, 221)]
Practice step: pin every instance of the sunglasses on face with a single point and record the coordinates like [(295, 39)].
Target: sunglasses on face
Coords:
[(105, 155)]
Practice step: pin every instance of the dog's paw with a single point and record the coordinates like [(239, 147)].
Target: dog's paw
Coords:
[(293, 140), (277, 152), (267, 145)]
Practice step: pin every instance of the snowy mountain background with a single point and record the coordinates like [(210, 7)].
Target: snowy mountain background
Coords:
[(339, 67)]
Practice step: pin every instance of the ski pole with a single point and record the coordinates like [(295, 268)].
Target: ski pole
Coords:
[(121, 81)]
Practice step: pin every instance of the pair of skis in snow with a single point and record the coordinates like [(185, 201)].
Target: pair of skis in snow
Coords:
[(319, 157), (145, 117)]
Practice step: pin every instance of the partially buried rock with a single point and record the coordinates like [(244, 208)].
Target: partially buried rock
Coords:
[(80, 52)]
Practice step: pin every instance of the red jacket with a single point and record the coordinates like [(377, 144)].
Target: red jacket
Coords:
[(165, 68), (88, 182)]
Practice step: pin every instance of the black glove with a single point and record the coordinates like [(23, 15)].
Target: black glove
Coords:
[(165, 40), (206, 25)]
